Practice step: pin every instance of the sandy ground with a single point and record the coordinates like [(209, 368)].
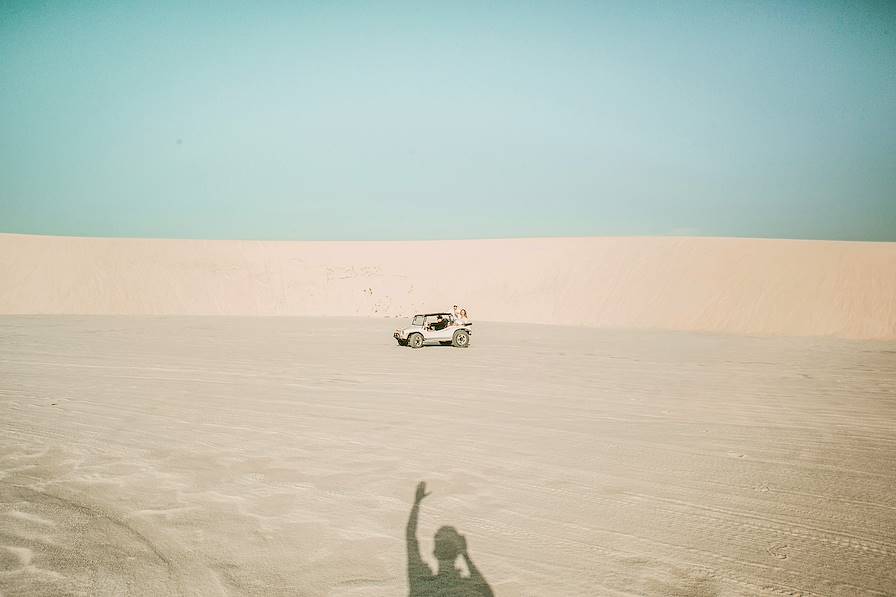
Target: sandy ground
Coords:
[(279, 456), (729, 285)]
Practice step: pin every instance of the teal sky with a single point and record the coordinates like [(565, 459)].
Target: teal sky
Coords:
[(376, 120)]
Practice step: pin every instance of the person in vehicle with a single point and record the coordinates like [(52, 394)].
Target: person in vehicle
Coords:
[(460, 317), (440, 324)]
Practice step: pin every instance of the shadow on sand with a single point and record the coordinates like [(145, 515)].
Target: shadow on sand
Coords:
[(448, 581)]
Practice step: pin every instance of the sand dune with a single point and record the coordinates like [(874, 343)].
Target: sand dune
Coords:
[(743, 286), (272, 456), (278, 456)]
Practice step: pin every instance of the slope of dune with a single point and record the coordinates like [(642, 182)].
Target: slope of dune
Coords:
[(744, 286)]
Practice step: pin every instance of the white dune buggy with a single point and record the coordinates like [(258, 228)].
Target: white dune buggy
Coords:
[(435, 328)]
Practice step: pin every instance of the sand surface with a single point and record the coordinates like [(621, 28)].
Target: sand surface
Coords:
[(279, 456), (730, 285)]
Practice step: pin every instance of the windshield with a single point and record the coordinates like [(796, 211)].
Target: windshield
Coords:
[(418, 320)]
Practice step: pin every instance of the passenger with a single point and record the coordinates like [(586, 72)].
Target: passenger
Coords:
[(462, 318)]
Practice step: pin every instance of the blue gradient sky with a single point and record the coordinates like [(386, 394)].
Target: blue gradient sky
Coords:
[(363, 120)]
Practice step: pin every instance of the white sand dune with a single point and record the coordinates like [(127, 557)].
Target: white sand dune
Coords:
[(742, 286), (278, 456), (196, 455)]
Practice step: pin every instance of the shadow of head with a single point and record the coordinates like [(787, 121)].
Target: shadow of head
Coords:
[(448, 544)]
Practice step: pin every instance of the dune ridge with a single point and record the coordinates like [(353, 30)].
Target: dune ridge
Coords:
[(727, 285)]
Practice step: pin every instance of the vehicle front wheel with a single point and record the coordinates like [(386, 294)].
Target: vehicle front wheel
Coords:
[(415, 341), (461, 339)]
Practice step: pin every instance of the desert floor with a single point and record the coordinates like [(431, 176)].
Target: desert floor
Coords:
[(279, 456)]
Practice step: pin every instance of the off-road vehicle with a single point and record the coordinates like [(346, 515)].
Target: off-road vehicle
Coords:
[(435, 328)]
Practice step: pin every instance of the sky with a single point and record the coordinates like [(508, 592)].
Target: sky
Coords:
[(419, 120)]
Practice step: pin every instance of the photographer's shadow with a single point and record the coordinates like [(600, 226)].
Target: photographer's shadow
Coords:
[(448, 581)]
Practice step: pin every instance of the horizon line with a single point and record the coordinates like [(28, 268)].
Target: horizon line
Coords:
[(437, 240)]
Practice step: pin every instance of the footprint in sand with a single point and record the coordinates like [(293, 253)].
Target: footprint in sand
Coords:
[(778, 550)]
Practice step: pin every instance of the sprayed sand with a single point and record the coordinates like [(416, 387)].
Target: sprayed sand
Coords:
[(729, 285), (278, 456)]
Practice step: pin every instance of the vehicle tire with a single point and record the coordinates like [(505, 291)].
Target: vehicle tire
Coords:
[(461, 339), (415, 340)]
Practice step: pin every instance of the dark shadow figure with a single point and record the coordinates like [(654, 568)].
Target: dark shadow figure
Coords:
[(450, 544)]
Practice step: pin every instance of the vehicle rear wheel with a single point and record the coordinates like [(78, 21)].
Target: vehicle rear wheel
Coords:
[(461, 339), (415, 341)]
